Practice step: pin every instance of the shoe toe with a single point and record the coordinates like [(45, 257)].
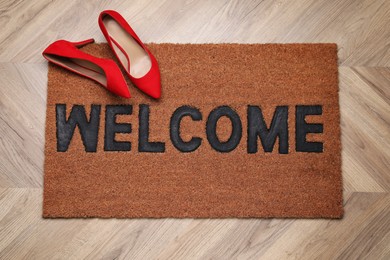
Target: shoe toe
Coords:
[(124, 91), (150, 84), (154, 89), (117, 85), (120, 90)]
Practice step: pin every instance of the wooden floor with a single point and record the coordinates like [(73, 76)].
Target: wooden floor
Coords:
[(361, 28)]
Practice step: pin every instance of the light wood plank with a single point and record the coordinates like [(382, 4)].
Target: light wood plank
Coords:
[(24, 234), (365, 123), (359, 27), (22, 119)]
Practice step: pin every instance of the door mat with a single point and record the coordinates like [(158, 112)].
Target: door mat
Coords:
[(240, 131)]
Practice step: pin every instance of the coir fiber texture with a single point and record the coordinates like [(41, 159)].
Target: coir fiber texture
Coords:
[(241, 130)]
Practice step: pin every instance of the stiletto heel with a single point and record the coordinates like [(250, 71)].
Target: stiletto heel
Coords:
[(104, 71), (139, 63)]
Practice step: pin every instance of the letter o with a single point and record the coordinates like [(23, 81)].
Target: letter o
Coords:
[(211, 129)]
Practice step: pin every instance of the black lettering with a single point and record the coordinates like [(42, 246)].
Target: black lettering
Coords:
[(179, 113), (302, 129), (211, 128), (112, 128), (88, 130), (143, 142), (257, 127)]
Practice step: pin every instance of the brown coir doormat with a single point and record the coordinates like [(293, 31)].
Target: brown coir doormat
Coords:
[(240, 131)]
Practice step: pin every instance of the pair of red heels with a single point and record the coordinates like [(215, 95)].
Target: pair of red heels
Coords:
[(128, 48)]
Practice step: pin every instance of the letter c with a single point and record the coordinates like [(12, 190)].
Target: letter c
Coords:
[(179, 113)]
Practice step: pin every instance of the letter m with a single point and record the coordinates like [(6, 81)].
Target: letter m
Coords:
[(258, 128)]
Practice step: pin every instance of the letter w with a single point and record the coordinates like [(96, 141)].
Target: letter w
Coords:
[(88, 130)]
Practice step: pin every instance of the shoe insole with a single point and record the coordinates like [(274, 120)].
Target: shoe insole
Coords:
[(138, 62), (81, 66)]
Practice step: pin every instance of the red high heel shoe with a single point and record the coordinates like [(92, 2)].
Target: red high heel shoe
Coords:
[(139, 63), (104, 71)]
